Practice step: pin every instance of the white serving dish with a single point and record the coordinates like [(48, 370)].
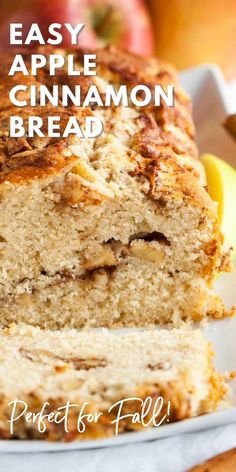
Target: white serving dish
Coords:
[(210, 106)]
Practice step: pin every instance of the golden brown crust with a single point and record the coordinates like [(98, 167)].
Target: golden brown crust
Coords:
[(180, 409), (104, 428), (118, 67), (36, 163)]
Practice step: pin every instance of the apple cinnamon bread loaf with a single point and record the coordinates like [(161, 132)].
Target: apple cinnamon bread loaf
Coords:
[(102, 368), (111, 231)]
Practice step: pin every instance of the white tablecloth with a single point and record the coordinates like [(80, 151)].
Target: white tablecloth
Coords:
[(174, 454)]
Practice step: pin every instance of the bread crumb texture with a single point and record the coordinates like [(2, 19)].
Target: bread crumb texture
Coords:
[(113, 231)]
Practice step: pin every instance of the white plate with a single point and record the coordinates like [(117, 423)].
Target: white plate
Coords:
[(209, 93)]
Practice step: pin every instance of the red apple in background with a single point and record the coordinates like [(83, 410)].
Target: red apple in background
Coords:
[(125, 23)]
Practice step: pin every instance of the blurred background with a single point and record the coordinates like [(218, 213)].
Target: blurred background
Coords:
[(184, 32)]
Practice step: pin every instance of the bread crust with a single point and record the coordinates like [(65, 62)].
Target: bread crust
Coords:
[(22, 159)]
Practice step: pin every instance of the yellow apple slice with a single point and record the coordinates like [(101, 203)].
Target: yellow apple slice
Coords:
[(221, 180)]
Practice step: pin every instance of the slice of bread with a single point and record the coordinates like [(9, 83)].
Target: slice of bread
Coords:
[(113, 231), (102, 368)]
